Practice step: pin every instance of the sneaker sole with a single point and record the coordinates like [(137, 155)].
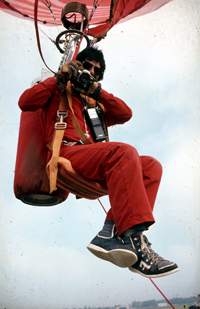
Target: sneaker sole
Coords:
[(154, 276), (119, 257)]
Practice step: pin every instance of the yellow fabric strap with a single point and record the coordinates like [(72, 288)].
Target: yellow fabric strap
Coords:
[(56, 143)]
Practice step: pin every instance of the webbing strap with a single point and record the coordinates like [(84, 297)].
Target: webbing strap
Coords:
[(77, 127), (58, 137), (56, 143)]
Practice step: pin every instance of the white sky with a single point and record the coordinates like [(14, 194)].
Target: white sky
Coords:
[(153, 64)]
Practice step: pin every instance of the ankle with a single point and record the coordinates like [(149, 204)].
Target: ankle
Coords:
[(109, 222), (136, 230)]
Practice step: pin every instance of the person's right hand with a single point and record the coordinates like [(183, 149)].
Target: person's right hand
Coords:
[(67, 70)]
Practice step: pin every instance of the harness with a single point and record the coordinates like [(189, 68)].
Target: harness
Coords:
[(58, 166)]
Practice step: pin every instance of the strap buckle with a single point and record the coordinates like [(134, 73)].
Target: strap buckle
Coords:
[(61, 124)]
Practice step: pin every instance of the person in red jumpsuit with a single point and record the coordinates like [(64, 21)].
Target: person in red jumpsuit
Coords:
[(132, 180)]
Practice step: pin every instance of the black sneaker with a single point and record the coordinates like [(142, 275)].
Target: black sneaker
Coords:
[(107, 245), (149, 263)]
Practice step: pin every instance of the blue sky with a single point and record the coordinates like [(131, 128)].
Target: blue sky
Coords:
[(153, 65)]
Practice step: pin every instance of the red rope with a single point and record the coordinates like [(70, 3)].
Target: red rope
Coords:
[(37, 34), (78, 47), (102, 205), (149, 278), (162, 294), (95, 5)]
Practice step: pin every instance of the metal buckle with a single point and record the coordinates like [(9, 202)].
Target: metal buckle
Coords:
[(61, 124)]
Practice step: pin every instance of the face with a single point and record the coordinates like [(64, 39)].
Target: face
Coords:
[(95, 66)]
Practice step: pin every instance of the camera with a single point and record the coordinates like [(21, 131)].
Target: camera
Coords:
[(93, 117), (83, 80)]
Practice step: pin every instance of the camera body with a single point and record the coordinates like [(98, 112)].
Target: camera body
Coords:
[(93, 117), (83, 80)]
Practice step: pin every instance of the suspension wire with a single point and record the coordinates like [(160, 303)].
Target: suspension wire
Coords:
[(48, 5), (53, 41), (149, 278), (95, 6)]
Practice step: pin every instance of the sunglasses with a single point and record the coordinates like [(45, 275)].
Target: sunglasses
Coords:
[(88, 65)]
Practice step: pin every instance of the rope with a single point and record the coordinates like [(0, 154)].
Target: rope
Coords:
[(149, 278), (102, 205), (37, 34), (162, 294)]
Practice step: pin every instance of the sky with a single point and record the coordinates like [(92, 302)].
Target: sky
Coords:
[(153, 64)]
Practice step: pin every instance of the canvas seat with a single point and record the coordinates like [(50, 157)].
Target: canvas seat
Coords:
[(71, 181)]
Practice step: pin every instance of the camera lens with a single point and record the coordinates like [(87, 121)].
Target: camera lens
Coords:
[(84, 76)]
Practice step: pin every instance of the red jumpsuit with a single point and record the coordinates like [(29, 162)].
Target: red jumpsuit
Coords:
[(132, 180)]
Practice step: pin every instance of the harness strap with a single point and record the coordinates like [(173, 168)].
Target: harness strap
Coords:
[(56, 143), (58, 136)]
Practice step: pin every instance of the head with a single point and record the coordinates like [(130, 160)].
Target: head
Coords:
[(96, 58)]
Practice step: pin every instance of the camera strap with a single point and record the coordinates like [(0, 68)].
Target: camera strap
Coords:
[(77, 127)]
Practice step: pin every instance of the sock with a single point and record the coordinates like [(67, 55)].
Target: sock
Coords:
[(106, 232), (139, 228), (109, 222)]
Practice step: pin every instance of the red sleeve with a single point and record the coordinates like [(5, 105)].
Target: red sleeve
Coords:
[(117, 112), (38, 96)]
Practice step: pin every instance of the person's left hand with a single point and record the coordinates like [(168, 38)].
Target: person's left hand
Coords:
[(94, 91)]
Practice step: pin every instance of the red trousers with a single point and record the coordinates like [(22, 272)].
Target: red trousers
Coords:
[(132, 180)]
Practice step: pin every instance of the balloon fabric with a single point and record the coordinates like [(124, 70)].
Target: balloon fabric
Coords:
[(108, 13)]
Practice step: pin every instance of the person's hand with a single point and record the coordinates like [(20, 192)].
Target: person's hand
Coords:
[(94, 91), (70, 69), (66, 71)]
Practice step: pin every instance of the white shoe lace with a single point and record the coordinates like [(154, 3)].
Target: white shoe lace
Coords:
[(146, 250)]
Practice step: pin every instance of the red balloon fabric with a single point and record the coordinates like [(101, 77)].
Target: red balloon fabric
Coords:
[(107, 14)]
